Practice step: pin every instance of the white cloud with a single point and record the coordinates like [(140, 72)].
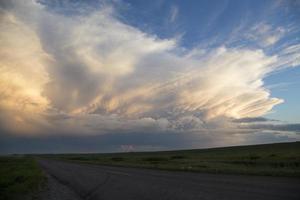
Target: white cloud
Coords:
[(265, 34), (289, 57), (104, 75)]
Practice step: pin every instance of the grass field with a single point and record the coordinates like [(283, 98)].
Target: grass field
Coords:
[(19, 177), (281, 159)]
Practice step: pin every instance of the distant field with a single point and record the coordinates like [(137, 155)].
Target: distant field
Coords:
[(19, 176), (281, 159)]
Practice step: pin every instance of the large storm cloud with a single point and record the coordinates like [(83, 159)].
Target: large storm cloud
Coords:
[(93, 74)]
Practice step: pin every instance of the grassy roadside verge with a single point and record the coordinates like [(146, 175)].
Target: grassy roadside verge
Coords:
[(19, 177), (281, 159)]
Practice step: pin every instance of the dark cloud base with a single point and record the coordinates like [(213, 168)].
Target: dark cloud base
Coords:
[(99, 143), (115, 142)]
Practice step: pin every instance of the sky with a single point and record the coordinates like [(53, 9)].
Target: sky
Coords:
[(129, 75)]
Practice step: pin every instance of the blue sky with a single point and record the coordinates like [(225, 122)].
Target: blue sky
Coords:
[(184, 74), (204, 21), (286, 84)]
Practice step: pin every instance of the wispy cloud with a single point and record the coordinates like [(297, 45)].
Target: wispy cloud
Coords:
[(173, 13), (265, 34)]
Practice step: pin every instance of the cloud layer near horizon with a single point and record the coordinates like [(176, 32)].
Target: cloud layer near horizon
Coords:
[(93, 74)]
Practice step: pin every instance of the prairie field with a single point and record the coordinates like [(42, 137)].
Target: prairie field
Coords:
[(279, 159), (19, 177)]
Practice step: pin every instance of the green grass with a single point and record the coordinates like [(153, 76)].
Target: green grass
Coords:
[(19, 177), (281, 159)]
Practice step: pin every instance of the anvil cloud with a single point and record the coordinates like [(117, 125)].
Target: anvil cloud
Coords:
[(93, 74)]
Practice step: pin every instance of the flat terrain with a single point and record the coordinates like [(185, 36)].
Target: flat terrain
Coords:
[(281, 159), (187, 174), (19, 177), (93, 182)]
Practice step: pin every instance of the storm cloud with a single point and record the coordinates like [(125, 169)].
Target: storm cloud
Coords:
[(93, 74)]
